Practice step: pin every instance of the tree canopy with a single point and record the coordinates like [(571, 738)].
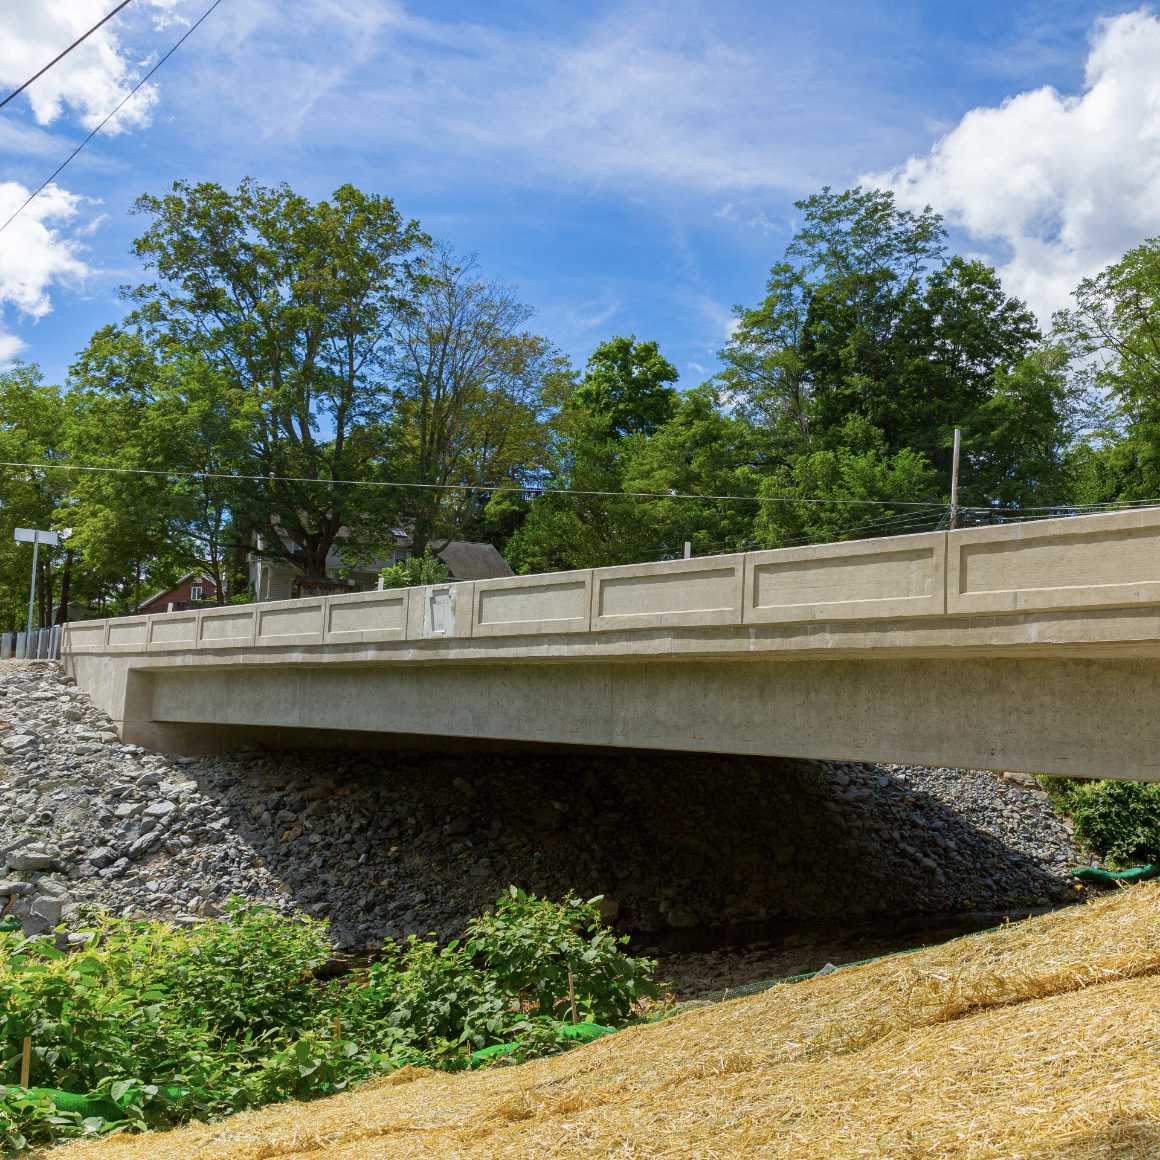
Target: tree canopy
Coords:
[(298, 378)]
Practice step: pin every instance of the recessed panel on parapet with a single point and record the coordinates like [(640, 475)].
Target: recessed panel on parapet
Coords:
[(863, 579), (85, 636), (672, 594), (172, 631), (511, 606), (365, 617), (1103, 560), (127, 634), (226, 627), (290, 622)]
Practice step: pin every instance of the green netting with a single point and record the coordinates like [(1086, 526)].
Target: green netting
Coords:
[(97, 1105), (581, 1032), (1111, 877), (85, 1106)]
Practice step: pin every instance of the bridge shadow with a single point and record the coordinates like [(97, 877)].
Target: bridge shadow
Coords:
[(390, 843)]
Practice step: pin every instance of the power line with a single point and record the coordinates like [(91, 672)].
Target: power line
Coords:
[(60, 56), (120, 105), (481, 487)]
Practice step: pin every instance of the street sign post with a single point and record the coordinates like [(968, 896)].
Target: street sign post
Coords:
[(35, 537)]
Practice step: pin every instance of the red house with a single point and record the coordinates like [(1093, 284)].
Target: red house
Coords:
[(191, 591)]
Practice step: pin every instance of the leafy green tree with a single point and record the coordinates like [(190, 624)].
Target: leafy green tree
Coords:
[(627, 387), (471, 404), (31, 430), (623, 397), (702, 450), (182, 431), (856, 479), (296, 304), (1113, 334), (867, 316)]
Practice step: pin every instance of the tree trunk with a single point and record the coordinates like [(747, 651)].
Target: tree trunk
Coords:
[(313, 558), (65, 588)]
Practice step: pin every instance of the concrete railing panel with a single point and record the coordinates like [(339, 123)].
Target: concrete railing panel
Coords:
[(172, 632), (863, 579), (85, 636), (511, 606), (127, 634), (1084, 562), (290, 622), (440, 611), (672, 594), (365, 617), (230, 627)]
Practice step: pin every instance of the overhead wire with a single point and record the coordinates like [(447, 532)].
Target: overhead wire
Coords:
[(119, 106), (522, 489), (61, 55)]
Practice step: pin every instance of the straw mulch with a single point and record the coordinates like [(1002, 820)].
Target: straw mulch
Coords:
[(1041, 1040)]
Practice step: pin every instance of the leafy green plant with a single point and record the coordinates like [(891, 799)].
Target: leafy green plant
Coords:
[(415, 572), (154, 1025), (550, 954), (1119, 820)]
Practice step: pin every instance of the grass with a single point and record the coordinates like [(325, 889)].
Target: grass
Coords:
[(1036, 1041)]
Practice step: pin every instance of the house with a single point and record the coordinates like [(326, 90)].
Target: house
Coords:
[(277, 579), (191, 591)]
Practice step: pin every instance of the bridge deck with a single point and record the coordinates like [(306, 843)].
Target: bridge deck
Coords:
[(1033, 646)]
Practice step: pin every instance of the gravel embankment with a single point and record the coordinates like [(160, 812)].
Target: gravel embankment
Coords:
[(391, 843)]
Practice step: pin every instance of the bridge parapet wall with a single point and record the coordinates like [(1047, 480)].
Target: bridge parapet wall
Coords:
[(1103, 561)]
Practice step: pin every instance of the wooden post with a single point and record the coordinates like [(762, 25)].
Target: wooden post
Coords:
[(26, 1062), (572, 996), (954, 520)]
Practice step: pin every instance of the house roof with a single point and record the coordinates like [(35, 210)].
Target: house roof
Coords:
[(471, 561)]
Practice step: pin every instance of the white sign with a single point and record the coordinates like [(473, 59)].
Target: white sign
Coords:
[(36, 536)]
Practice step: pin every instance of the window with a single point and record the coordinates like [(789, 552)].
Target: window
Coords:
[(195, 592)]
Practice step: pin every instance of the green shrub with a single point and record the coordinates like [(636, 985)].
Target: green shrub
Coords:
[(415, 572), (529, 945), (1118, 820), (164, 1024), (245, 975)]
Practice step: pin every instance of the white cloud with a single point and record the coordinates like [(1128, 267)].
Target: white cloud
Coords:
[(35, 255), (88, 82), (1061, 184)]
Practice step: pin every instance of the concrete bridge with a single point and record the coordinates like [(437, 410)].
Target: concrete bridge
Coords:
[(1027, 647)]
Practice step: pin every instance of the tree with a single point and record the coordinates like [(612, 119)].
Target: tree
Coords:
[(704, 451), (867, 316), (183, 431), (1113, 334), (31, 430), (846, 491), (627, 387), (295, 304), (471, 404), (623, 397), (766, 371)]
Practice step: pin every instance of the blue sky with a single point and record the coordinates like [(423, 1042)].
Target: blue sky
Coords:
[(630, 168)]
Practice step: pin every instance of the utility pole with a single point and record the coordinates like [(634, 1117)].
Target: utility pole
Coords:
[(954, 520)]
